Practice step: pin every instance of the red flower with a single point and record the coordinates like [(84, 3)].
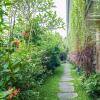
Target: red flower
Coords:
[(16, 43), (14, 94), (25, 34)]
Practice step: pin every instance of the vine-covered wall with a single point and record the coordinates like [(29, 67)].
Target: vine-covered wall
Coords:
[(80, 40), (77, 21)]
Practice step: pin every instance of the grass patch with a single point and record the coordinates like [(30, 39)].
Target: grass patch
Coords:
[(50, 88), (82, 95)]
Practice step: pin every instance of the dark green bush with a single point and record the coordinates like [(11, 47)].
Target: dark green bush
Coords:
[(63, 56), (28, 95), (51, 58), (92, 85), (22, 71)]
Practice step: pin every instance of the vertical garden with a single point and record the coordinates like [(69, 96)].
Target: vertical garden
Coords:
[(80, 38), (82, 46), (29, 50)]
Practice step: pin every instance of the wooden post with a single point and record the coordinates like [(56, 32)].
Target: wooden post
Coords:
[(98, 46)]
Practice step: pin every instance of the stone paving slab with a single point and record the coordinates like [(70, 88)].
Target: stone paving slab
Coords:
[(66, 88), (64, 79), (67, 96), (66, 75), (66, 83), (67, 70)]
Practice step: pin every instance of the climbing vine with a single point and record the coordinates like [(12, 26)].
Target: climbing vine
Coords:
[(76, 36), (80, 38)]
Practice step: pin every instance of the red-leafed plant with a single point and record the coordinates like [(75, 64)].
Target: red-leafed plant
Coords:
[(85, 59)]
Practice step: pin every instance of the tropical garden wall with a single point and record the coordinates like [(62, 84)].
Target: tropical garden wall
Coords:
[(82, 40)]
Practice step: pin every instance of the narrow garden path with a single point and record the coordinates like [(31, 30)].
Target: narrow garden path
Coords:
[(66, 87), (64, 84)]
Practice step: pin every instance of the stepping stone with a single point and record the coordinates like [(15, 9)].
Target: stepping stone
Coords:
[(67, 71), (67, 68), (67, 96), (64, 79), (66, 83), (66, 88), (66, 75)]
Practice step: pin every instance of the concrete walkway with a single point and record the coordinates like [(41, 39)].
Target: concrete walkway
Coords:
[(66, 87)]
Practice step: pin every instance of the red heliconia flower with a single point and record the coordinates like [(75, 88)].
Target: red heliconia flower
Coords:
[(16, 43), (14, 94)]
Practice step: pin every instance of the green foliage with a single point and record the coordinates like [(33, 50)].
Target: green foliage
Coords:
[(92, 85), (4, 94), (63, 56), (51, 58), (52, 50), (78, 86), (29, 63), (25, 42), (50, 88), (27, 95), (76, 36), (81, 40)]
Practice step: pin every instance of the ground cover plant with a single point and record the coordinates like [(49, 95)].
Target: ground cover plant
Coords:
[(78, 85), (92, 85)]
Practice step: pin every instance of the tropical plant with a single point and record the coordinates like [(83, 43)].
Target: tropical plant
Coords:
[(92, 85), (25, 38)]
